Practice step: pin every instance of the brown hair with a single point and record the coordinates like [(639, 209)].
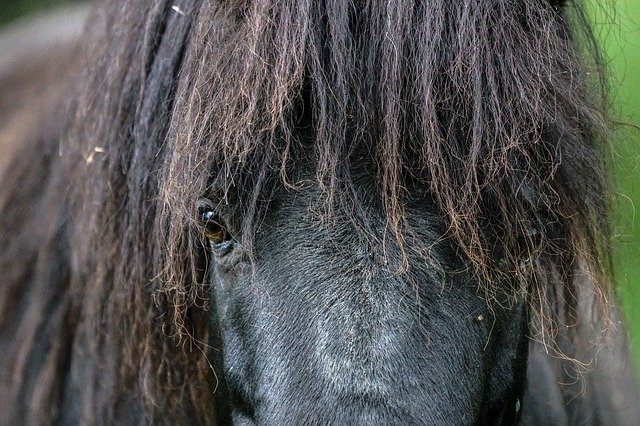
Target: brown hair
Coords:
[(484, 105)]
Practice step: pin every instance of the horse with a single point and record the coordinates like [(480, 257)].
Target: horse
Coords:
[(316, 212)]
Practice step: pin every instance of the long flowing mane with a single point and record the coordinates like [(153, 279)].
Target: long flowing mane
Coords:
[(486, 106)]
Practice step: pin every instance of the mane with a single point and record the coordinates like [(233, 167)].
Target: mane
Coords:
[(487, 106)]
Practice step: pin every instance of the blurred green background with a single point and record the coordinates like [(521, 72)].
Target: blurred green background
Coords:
[(13, 9), (619, 29), (618, 25)]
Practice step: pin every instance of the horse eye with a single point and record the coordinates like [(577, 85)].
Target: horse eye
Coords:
[(212, 226)]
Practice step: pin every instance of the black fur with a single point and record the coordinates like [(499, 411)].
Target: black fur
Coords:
[(409, 221)]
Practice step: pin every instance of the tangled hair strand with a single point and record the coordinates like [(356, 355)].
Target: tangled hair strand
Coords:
[(486, 106)]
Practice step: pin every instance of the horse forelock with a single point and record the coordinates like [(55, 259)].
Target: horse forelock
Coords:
[(484, 105)]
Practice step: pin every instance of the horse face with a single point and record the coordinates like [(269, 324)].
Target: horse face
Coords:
[(320, 326)]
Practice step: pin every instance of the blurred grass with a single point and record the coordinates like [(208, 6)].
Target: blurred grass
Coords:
[(12, 9), (619, 31), (618, 25)]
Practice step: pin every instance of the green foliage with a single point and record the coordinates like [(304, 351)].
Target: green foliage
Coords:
[(619, 29), (12, 9)]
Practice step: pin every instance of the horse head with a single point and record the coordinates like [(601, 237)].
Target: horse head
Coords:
[(322, 212)]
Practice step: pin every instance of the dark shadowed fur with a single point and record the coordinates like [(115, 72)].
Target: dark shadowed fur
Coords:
[(465, 139)]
